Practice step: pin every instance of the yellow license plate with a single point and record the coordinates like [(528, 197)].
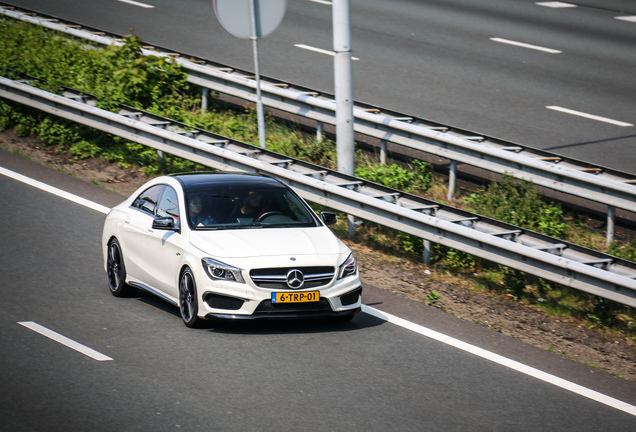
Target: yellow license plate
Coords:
[(296, 297)]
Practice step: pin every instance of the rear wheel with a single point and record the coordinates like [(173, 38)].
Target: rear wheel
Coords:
[(116, 271), (188, 299)]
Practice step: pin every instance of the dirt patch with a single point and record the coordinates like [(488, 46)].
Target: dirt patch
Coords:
[(97, 171), (416, 281)]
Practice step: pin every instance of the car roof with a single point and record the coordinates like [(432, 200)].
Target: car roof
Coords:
[(198, 180)]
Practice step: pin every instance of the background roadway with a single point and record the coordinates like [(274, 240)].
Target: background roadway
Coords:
[(434, 59), (364, 375)]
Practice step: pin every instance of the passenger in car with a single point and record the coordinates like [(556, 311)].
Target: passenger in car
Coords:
[(198, 217)]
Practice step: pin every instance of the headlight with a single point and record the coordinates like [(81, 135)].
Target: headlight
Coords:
[(348, 268), (216, 270)]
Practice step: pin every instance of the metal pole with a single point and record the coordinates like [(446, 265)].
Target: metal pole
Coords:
[(256, 32), (341, 10), (611, 214), (343, 74), (452, 179), (319, 127)]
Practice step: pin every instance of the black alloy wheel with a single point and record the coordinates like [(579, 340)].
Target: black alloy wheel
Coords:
[(188, 301), (116, 270)]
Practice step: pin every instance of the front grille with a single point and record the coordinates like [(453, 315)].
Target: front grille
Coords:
[(276, 278), (267, 307)]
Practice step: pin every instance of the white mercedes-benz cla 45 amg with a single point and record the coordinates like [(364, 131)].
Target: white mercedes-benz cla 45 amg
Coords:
[(229, 245)]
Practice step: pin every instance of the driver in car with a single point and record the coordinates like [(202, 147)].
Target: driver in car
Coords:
[(254, 206)]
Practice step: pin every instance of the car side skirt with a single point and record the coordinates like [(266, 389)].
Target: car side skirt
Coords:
[(153, 291)]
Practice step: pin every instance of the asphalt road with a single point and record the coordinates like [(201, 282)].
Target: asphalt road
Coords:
[(369, 374), (488, 66)]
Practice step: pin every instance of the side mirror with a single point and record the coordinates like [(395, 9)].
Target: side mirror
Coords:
[(328, 218), (164, 223)]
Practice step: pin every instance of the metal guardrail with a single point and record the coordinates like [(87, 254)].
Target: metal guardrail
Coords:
[(615, 189), (506, 244)]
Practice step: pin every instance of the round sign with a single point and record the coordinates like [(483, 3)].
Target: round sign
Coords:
[(236, 18)]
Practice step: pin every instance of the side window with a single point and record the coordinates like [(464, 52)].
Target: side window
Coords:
[(169, 205), (148, 199)]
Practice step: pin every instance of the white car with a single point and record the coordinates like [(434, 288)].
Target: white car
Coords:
[(229, 245)]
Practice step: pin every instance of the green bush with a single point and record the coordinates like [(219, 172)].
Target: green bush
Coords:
[(627, 252), (452, 259), (394, 176), (518, 203)]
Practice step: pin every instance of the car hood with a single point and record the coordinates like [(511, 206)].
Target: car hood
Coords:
[(247, 243)]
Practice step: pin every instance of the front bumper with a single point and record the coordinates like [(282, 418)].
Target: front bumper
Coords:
[(343, 305)]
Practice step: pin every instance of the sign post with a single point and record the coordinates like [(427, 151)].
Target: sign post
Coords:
[(343, 78), (251, 19)]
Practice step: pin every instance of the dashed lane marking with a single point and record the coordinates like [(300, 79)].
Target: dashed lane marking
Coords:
[(65, 341), (589, 116), (525, 45), (134, 3)]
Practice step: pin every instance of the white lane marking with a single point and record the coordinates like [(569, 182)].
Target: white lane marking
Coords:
[(627, 18), (134, 3), (328, 3), (65, 341), (503, 361), (556, 4), (520, 367), (525, 45), (54, 191), (319, 50), (589, 116)]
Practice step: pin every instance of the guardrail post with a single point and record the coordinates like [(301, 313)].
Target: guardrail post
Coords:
[(204, 100), (427, 251), (319, 126), (611, 213), (452, 179), (352, 226), (383, 152)]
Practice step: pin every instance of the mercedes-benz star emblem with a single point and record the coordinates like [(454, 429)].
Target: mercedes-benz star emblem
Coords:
[(295, 279)]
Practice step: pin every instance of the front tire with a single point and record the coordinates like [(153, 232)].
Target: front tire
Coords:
[(116, 271), (188, 299)]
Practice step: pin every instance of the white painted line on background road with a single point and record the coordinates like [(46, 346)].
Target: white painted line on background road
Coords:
[(627, 18), (55, 191), (319, 50), (525, 45), (503, 361), (556, 4), (65, 341), (328, 3), (134, 3), (589, 116)]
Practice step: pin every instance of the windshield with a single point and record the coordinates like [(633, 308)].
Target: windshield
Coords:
[(255, 206)]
